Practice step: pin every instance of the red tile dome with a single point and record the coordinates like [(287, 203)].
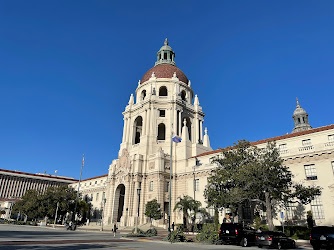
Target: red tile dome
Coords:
[(165, 71)]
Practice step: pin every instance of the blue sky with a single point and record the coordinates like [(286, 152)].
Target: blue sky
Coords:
[(67, 69)]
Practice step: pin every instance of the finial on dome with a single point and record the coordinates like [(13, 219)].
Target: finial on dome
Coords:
[(184, 122), (206, 130), (297, 102), (174, 75), (138, 82), (166, 42)]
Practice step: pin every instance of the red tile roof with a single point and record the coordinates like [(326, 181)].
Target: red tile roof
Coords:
[(165, 71), (94, 177), (311, 131)]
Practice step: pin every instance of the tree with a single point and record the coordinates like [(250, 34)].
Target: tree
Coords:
[(189, 208), (196, 208), (245, 172), (153, 210), (29, 206), (35, 204)]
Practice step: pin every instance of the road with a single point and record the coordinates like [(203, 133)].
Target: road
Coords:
[(28, 237)]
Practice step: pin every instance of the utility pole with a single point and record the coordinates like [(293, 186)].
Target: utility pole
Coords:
[(76, 200)]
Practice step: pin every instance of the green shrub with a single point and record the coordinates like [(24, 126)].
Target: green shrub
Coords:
[(208, 234), (151, 232), (140, 233), (176, 236)]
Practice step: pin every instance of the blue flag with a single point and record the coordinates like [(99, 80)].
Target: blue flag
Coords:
[(177, 139)]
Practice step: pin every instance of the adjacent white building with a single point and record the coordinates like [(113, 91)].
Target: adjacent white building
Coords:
[(14, 184)]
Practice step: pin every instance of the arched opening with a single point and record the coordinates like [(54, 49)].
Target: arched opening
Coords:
[(143, 95), (165, 56), (119, 203), (138, 126), (163, 91), (183, 95), (188, 124), (161, 131)]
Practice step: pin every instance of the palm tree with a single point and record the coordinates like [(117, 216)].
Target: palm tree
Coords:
[(188, 205), (184, 205)]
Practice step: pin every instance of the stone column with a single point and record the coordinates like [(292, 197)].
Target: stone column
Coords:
[(180, 124), (124, 129), (135, 205), (201, 128)]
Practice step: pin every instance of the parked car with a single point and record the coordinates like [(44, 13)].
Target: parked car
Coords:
[(322, 237), (231, 233), (2, 220), (274, 239)]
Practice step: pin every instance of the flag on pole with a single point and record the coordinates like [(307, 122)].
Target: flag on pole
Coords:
[(175, 138)]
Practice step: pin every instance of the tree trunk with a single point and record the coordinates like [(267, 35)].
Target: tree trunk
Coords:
[(269, 212)]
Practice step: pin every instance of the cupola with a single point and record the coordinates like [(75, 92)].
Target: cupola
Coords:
[(300, 118), (165, 55)]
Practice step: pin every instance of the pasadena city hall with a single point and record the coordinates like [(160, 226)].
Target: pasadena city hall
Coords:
[(164, 101)]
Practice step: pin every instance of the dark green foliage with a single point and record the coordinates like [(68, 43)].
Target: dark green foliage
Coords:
[(189, 208), (39, 205), (247, 173), (153, 210), (151, 232), (140, 233), (176, 236), (209, 234)]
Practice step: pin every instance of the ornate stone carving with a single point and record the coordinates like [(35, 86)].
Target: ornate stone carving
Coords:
[(152, 165), (124, 160)]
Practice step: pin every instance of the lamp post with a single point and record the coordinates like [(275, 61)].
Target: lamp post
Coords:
[(56, 215), (103, 206), (138, 193)]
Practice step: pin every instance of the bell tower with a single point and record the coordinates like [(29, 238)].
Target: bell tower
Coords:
[(163, 103)]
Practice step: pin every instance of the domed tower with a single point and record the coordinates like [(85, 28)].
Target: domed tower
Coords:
[(164, 103), (300, 118)]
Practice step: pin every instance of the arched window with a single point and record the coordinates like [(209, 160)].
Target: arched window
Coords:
[(188, 124), (138, 125), (161, 131), (163, 91), (183, 95), (143, 95)]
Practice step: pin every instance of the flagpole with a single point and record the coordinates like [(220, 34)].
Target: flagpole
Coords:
[(170, 179), (76, 200)]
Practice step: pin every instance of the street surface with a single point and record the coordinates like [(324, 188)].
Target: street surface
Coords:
[(29, 237)]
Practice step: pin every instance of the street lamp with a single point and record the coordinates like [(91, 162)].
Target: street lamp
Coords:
[(138, 193)]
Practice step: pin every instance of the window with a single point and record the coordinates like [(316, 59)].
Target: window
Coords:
[(317, 209), (103, 195), (91, 197), (282, 147), (161, 131), (151, 185), (138, 129), (306, 142), (143, 94), (196, 184), (95, 182), (167, 186), (310, 172), (162, 113), (163, 91), (183, 95), (290, 211), (331, 138), (90, 183), (97, 196)]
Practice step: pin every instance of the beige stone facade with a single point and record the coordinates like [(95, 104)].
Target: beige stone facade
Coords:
[(164, 101)]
